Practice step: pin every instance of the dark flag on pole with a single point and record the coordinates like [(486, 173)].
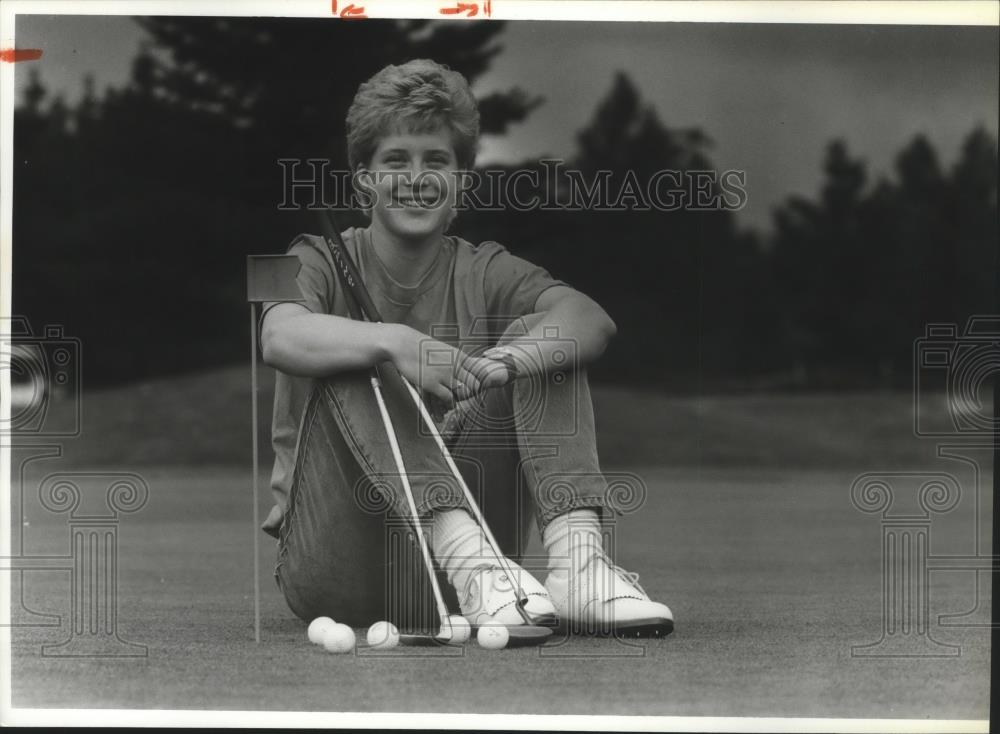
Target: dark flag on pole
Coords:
[(269, 278), (272, 278)]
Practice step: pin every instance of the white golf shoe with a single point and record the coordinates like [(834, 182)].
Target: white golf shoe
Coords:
[(592, 596), (489, 591)]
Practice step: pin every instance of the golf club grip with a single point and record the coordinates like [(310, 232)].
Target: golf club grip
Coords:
[(353, 307), (347, 269)]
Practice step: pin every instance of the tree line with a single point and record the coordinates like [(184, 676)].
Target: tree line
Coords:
[(134, 209)]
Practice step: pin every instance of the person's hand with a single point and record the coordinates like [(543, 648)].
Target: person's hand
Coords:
[(505, 356), (440, 369), (498, 370)]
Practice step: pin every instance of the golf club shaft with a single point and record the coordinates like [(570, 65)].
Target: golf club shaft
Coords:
[(397, 455), (347, 270), (494, 547), (407, 490), (349, 274)]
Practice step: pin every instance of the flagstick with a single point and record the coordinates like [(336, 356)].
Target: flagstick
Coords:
[(270, 279), (256, 510)]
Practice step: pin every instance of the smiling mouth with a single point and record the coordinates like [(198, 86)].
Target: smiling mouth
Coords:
[(411, 202)]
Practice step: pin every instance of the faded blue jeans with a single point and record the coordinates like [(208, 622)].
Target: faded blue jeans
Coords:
[(346, 549)]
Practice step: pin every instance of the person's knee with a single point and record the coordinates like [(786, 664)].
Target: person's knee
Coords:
[(310, 595), (566, 358)]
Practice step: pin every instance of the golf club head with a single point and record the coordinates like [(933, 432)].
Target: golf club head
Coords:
[(541, 621), (426, 640), (525, 635)]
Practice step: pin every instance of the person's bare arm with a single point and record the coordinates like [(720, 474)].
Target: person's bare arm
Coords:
[(300, 342), (570, 319)]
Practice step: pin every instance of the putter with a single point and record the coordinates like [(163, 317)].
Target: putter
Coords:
[(445, 634), (531, 633)]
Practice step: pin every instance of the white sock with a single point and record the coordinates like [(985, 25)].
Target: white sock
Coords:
[(573, 531), (459, 545)]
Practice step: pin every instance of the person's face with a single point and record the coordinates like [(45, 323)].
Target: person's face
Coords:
[(412, 179)]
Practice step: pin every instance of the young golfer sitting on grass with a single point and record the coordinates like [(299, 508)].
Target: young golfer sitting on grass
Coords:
[(411, 130)]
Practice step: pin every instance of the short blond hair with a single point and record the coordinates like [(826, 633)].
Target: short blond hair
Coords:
[(415, 97)]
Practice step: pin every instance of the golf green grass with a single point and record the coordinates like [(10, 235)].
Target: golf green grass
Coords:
[(748, 533)]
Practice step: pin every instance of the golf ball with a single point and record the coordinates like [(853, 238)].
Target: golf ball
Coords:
[(317, 627), (493, 636), (456, 629), (383, 636), (338, 638)]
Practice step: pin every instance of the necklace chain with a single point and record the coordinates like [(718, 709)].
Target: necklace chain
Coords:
[(426, 274)]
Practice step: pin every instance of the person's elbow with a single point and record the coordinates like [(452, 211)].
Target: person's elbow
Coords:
[(291, 345), (603, 324), (276, 348), (600, 327), (608, 327)]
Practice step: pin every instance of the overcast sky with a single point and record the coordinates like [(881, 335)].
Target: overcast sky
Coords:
[(770, 97)]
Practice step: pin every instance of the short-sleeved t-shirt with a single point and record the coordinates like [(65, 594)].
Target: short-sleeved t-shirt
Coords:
[(466, 286)]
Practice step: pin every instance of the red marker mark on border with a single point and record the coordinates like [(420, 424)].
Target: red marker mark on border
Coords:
[(12, 55), (487, 8), (353, 11), (333, 7), (470, 9)]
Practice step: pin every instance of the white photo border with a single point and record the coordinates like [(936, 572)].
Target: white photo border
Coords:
[(870, 12)]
